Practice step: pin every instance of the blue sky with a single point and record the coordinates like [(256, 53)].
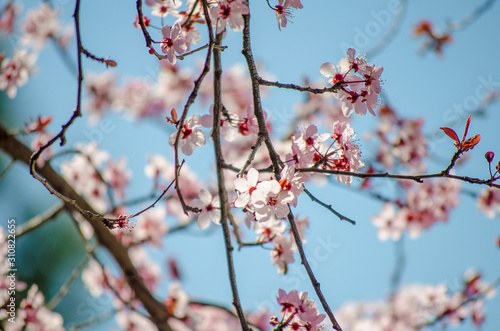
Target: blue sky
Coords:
[(350, 263)]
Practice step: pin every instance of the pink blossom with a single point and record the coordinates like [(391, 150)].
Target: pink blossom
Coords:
[(162, 8), (117, 176), (190, 137), (210, 208), (489, 202), (102, 92), (282, 13), (158, 166), (389, 224), (309, 139), (282, 253), (8, 18), (151, 226), (39, 25), (178, 300), (267, 231), (230, 12), (14, 72), (129, 320), (227, 131), (174, 41), (268, 200), (291, 184), (35, 316), (245, 186), (356, 93)]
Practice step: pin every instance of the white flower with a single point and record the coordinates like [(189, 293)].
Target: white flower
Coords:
[(210, 208), (190, 137)]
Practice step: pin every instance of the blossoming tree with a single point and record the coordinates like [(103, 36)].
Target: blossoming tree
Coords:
[(227, 164)]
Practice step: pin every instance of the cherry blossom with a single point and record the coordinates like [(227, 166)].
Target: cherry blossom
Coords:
[(102, 92), (298, 312), (227, 131), (190, 136), (389, 224), (158, 166), (245, 186), (282, 253), (151, 226), (117, 176), (163, 8), (8, 17), (174, 41), (282, 13), (14, 72), (230, 12), (355, 93), (33, 314), (177, 301), (130, 320), (267, 231), (489, 202), (39, 25), (210, 208), (269, 199)]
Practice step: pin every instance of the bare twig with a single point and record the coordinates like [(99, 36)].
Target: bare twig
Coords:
[(6, 170), (416, 178), (472, 17), (67, 285), (329, 207), (40, 219)]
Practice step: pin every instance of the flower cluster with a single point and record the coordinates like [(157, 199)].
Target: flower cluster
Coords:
[(343, 154), (31, 314), (425, 205), (85, 172), (417, 306), (401, 141), (39, 25), (298, 312), (229, 12), (357, 83), (268, 198)]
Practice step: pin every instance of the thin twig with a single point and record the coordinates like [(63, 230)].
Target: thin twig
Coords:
[(251, 157), (416, 178), (224, 203), (67, 285), (395, 28), (6, 170), (329, 207), (40, 219)]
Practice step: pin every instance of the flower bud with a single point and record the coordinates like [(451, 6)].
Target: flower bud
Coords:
[(489, 156)]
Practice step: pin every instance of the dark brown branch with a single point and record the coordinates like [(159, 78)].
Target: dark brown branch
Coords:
[(19, 152), (224, 203)]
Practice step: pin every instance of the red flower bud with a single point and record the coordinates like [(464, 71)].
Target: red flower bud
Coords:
[(489, 156)]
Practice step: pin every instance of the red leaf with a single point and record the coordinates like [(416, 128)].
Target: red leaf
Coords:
[(467, 127), (450, 133), (471, 142)]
